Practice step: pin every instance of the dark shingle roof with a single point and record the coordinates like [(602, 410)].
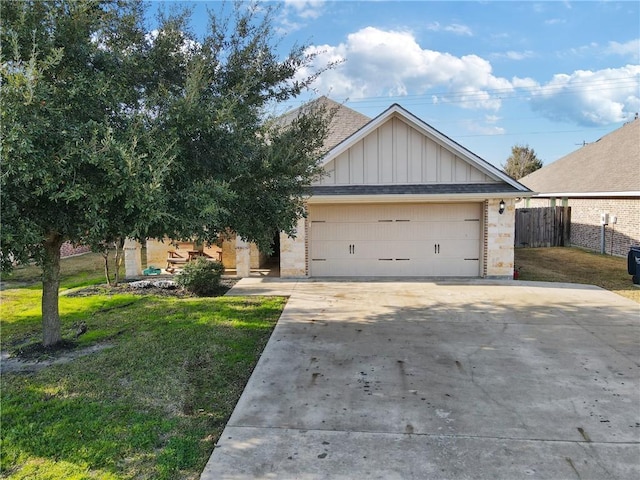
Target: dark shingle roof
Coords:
[(610, 164), (432, 189)]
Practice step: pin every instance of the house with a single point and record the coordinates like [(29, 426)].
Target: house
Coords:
[(600, 178), (68, 249), (399, 198), (402, 199)]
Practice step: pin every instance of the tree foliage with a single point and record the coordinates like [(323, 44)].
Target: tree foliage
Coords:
[(73, 139), (243, 172), (521, 162), (109, 131)]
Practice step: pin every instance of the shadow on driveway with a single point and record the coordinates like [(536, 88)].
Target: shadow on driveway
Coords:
[(419, 379)]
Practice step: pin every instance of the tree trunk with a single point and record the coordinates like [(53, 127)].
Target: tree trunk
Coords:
[(105, 255), (50, 286), (118, 258)]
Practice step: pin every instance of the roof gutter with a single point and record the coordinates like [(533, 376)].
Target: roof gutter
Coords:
[(413, 198), (630, 193)]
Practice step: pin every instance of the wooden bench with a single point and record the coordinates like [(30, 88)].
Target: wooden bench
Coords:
[(195, 254), (173, 259)]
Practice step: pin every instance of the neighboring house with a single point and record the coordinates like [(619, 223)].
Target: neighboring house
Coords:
[(399, 198), (68, 249), (602, 177)]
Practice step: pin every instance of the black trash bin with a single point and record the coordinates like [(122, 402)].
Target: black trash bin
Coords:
[(633, 264)]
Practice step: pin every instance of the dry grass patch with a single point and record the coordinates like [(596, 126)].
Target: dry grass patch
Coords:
[(575, 265)]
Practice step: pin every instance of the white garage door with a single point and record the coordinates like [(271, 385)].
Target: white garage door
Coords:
[(395, 240)]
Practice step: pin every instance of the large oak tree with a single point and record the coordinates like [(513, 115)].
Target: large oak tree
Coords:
[(110, 131)]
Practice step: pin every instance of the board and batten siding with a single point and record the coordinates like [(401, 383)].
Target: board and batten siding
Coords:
[(397, 153)]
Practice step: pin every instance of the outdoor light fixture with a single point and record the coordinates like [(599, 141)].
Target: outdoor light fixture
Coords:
[(501, 209)]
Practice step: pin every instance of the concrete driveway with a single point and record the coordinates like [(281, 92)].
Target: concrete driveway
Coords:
[(439, 380)]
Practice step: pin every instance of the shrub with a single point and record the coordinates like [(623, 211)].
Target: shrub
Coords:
[(201, 277)]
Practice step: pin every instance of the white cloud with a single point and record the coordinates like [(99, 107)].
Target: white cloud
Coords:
[(486, 129), (529, 83), (630, 49), (454, 28), (286, 26), (513, 55), (378, 63), (307, 9), (297, 13), (590, 98), (385, 63)]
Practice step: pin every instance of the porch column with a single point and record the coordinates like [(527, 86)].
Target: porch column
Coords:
[(293, 253), (499, 231), (132, 258), (243, 258)]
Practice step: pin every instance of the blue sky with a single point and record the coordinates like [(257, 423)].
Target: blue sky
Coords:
[(489, 75)]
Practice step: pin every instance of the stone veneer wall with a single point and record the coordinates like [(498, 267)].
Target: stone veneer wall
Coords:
[(293, 252), (498, 239), (585, 222), (256, 258)]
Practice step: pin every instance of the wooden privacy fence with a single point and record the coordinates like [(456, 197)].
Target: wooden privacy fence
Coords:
[(543, 227)]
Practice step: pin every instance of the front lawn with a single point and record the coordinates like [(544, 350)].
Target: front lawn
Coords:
[(150, 404), (86, 269), (575, 265)]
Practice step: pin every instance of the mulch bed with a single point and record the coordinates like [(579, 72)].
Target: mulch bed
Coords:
[(225, 286)]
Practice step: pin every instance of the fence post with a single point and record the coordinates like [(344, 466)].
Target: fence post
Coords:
[(566, 226)]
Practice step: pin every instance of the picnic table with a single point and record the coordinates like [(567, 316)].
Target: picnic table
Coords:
[(174, 259)]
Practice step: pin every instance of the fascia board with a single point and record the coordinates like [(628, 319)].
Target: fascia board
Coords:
[(631, 193), (482, 164), (444, 197)]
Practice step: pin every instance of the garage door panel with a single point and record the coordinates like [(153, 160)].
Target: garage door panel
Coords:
[(458, 249), (466, 230), (395, 240), (334, 268), (411, 212), (443, 267), (330, 249), (362, 250), (396, 268)]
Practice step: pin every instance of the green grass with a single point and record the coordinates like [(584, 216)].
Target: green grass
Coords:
[(78, 271), (575, 265), (151, 405)]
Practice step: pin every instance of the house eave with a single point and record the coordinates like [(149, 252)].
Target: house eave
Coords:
[(409, 198), (627, 194)]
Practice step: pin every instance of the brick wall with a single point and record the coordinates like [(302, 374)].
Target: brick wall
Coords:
[(69, 249), (585, 222)]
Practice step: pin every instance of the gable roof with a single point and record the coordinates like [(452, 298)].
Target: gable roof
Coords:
[(609, 164), (344, 120), (429, 131)]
